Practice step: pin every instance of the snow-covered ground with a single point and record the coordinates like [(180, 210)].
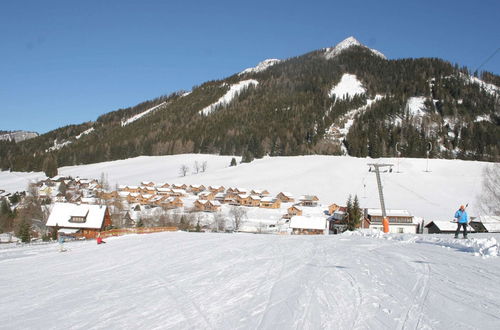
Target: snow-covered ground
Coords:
[(433, 195), (242, 281), (348, 86)]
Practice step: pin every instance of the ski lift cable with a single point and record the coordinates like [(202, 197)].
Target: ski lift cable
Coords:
[(488, 59)]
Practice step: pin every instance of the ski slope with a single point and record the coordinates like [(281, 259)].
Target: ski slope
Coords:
[(182, 280), (433, 195)]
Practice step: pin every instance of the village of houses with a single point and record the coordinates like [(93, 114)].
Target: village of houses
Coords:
[(85, 207)]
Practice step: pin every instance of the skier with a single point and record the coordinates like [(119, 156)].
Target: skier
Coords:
[(462, 220), (99, 239), (61, 244)]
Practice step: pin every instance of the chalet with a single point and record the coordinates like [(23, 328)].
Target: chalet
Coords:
[(132, 189), (148, 190), (207, 196), (179, 186), (241, 191), (302, 225), (293, 211), (107, 195), (243, 199), (285, 197), (216, 189), (156, 200), (486, 224), (259, 192), (207, 205), (164, 191), (172, 203), (79, 220), (178, 193), (444, 227), (332, 208), (338, 222), (134, 198), (270, 203), (400, 221), (231, 190), (254, 200), (124, 195), (163, 185), (147, 184), (59, 198), (196, 188), (308, 200), (225, 199)]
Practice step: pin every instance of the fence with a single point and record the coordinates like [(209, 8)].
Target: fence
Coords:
[(139, 230)]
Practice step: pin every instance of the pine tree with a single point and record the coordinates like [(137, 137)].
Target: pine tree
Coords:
[(349, 212), (24, 231), (356, 213), (233, 162)]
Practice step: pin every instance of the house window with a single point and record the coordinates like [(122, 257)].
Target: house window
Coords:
[(401, 230), (77, 219)]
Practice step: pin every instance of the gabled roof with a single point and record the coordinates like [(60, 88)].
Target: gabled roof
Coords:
[(389, 213), (447, 226), (302, 222), (62, 212)]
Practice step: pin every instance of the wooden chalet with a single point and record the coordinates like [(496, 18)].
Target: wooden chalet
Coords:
[(107, 195), (172, 203), (132, 189), (147, 183), (163, 185), (243, 199), (216, 189), (178, 193), (79, 220), (196, 188), (207, 205), (254, 201), (182, 186), (270, 203), (486, 224), (308, 200), (332, 208), (259, 192), (294, 210), (285, 197), (148, 190), (163, 191), (207, 196)]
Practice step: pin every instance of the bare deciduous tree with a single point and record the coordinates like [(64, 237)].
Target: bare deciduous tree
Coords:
[(219, 222), (196, 167), (490, 195), (204, 166), (184, 170), (237, 213)]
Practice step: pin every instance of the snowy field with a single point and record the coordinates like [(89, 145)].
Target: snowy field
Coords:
[(242, 281), (433, 195)]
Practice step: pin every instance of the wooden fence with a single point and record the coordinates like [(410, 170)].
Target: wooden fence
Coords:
[(139, 230)]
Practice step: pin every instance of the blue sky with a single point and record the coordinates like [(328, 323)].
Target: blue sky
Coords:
[(67, 62)]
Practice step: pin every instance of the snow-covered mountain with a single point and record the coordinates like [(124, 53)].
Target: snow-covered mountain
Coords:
[(347, 43), (18, 136)]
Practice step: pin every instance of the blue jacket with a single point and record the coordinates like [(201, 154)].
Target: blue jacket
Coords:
[(462, 216)]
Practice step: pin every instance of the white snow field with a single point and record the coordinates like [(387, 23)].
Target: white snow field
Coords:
[(433, 195), (182, 280)]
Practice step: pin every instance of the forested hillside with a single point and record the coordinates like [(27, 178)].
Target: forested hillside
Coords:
[(290, 108)]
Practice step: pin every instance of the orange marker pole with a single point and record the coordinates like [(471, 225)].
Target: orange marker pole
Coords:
[(385, 224)]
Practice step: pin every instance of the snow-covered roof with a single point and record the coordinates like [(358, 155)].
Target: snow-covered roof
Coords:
[(304, 222), (448, 226), (389, 213), (62, 212), (490, 222)]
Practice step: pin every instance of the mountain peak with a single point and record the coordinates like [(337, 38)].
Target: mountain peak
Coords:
[(345, 44)]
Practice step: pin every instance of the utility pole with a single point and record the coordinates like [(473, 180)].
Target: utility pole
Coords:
[(385, 220), (429, 148)]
